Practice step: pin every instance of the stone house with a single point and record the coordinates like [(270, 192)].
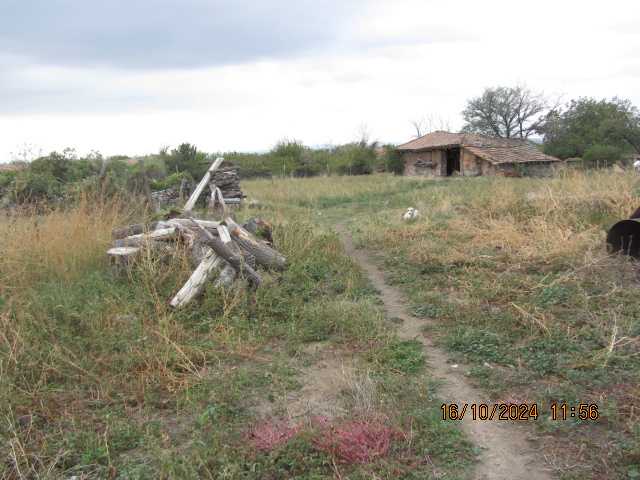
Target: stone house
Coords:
[(443, 154)]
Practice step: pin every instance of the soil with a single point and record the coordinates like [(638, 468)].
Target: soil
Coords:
[(326, 377), (507, 451)]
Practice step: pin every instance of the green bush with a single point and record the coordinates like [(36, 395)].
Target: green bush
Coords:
[(173, 180), (602, 156), (34, 186), (186, 158), (393, 160), (355, 159)]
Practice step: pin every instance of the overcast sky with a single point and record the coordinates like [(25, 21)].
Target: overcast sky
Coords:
[(131, 76)]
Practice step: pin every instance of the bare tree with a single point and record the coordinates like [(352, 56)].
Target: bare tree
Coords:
[(363, 134), (419, 127), (506, 112), (26, 153), (428, 124)]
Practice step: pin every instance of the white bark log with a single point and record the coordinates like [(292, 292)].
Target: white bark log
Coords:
[(209, 265), (224, 235), (123, 251), (221, 201), (142, 238), (203, 183), (122, 257)]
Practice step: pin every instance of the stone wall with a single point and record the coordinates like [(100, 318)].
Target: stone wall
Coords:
[(433, 163), (420, 164), (470, 164)]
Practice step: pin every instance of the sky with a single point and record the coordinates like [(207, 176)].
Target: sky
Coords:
[(133, 76)]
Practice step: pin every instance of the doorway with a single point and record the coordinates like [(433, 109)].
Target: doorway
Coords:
[(453, 161)]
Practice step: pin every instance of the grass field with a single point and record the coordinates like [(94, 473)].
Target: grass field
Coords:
[(99, 378)]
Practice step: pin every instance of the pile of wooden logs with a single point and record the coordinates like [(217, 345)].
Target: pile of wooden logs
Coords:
[(221, 251), (226, 178)]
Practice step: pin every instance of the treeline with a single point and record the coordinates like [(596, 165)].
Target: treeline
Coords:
[(598, 131), (58, 176), (601, 132)]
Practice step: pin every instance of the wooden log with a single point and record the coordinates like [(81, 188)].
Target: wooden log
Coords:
[(122, 257), (223, 234), (227, 275), (233, 258), (232, 201), (221, 202), (198, 252), (198, 279), (263, 253), (212, 197), (225, 237), (203, 183), (123, 252), (137, 229), (259, 228), (142, 238), (188, 222)]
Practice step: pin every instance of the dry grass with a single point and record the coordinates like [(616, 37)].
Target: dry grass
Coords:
[(536, 220), (83, 352), (288, 190), (62, 243)]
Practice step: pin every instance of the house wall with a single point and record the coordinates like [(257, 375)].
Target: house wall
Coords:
[(421, 163), (470, 164), (433, 164)]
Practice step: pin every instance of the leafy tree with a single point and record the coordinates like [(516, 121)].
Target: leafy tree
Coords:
[(185, 158), (393, 160), (57, 165), (293, 158), (356, 158), (506, 112), (597, 130), (31, 186)]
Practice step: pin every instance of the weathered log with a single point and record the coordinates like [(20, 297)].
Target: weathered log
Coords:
[(198, 252), (227, 275), (201, 186), (225, 237), (209, 265), (142, 238), (187, 222), (137, 229), (223, 234), (122, 257), (259, 228), (122, 252), (232, 201), (263, 253), (220, 201), (233, 258)]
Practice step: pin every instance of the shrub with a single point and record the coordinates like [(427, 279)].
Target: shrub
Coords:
[(34, 186), (602, 156), (393, 160)]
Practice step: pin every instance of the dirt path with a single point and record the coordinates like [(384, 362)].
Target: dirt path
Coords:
[(506, 454)]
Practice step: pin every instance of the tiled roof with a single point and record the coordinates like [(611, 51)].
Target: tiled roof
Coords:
[(433, 140), (494, 150)]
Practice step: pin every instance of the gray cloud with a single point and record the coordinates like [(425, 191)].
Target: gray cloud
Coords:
[(167, 33)]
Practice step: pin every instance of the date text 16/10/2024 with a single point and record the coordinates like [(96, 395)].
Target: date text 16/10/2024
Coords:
[(518, 411)]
